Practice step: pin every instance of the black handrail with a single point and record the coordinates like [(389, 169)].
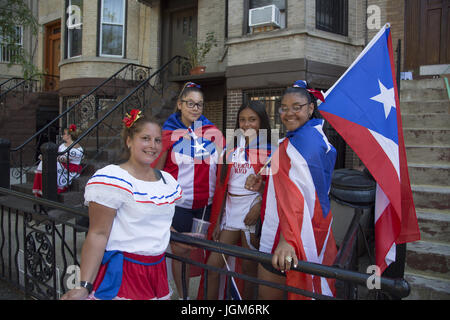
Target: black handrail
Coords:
[(74, 105), (10, 79), (118, 104), (2, 95), (397, 287)]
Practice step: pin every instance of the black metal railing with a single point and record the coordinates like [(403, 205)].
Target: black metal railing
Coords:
[(9, 83), (40, 252), (101, 140), (88, 106)]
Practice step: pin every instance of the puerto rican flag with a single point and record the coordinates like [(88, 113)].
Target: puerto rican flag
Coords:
[(363, 106), (193, 154), (296, 203)]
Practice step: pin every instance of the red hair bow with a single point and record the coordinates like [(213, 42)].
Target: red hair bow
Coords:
[(131, 118), (72, 128)]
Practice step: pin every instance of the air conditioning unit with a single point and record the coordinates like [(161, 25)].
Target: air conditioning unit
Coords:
[(264, 16)]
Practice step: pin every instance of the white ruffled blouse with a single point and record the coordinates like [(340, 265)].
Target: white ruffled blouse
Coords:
[(144, 209)]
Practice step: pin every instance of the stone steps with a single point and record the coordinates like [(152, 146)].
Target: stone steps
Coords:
[(425, 110), (423, 94), (426, 154), (431, 258), (434, 225), (431, 106), (424, 287), (426, 120), (431, 197), (429, 174), (427, 136)]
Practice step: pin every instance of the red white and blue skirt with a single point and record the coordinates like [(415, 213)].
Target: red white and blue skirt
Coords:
[(124, 275)]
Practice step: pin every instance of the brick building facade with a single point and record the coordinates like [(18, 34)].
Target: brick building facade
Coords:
[(316, 40)]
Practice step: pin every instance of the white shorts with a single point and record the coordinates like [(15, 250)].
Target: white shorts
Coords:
[(236, 209)]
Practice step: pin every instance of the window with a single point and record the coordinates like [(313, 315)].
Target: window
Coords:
[(112, 28), (8, 51), (332, 16), (272, 99), (74, 28), (280, 4)]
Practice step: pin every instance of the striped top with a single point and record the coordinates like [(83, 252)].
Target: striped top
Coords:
[(144, 209)]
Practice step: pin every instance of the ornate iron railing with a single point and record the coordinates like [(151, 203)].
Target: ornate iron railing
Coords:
[(40, 252), (101, 141), (88, 106)]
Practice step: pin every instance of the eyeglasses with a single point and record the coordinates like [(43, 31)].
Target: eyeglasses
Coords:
[(294, 108), (192, 104)]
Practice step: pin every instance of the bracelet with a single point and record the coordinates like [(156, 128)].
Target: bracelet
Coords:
[(87, 285)]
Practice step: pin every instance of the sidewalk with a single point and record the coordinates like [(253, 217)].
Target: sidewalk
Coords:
[(9, 292)]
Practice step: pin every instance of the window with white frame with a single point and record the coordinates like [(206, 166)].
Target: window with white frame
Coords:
[(8, 51), (112, 28), (74, 28)]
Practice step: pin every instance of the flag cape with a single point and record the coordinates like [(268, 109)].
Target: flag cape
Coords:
[(363, 107), (257, 156), (192, 157), (296, 204)]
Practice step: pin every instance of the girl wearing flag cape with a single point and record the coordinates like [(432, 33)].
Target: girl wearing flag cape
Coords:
[(236, 210), (296, 209), (191, 149), (131, 207)]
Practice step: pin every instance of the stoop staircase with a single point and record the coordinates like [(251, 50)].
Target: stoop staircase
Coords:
[(425, 108), (103, 124)]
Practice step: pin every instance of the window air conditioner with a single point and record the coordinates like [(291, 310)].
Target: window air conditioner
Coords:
[(264, 16)]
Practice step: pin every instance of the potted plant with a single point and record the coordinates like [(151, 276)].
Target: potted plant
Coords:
[(196, 52)]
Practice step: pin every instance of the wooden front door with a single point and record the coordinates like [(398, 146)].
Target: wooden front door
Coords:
[(52, 55), (427, 32), (179, 25), (183, 27)]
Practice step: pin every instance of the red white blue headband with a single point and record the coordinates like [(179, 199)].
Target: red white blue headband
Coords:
[(303, 84)]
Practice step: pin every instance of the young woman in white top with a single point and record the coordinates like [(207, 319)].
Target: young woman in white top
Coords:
[(130, 213), (65, 174), (236, 210)]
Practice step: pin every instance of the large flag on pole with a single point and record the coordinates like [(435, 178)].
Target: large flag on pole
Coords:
[(363, 106)]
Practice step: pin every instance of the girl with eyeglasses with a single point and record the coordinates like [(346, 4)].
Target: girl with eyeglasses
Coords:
[(296, 206), (191, 148)]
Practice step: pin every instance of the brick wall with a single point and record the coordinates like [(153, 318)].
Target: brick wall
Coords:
[(392, 12), (214, 112), (234, 102)]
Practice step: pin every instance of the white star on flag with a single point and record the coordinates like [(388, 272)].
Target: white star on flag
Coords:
[(386, 97), (199, 147)]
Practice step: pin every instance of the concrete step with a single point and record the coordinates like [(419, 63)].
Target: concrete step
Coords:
[(434, 225), (109, 155), (91, 141), (80, 183), (429, 174), (429, 106), (72, 198), (26, 188), (431, 197), (427, 288), (431, 258), (423, 94), (428, 154), (426, 120), (422, 84), (427, 136)]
